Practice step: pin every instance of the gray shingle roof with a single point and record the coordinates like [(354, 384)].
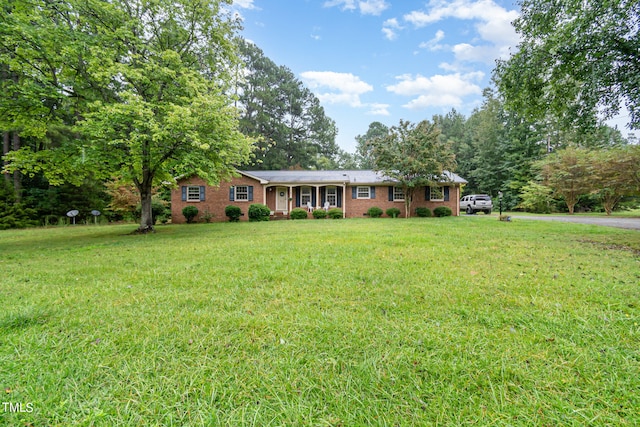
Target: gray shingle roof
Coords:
[(335, 176)]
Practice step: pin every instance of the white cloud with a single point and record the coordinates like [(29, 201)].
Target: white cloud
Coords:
[(438, 90), (372, 7), (420, 19), (434, 43), (484, 53), (346, 4), (392, 23), (493, 26), (378, 110), (450, 67), (389, 28), (389, 34), (336, 88), (366, 7), (244, 4)]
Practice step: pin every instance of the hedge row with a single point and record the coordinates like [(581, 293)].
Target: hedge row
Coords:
[(260, 212)]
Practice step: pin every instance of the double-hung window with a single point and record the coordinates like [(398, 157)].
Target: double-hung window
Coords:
[(364, 192), (305, 196), (242, 192), (437, 194), (332, 196), (193, 193), (398, 194)]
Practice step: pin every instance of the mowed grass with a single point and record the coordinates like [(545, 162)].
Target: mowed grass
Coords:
[(447, 321)]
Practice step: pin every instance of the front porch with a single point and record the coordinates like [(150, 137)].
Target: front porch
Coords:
[(282, 199)]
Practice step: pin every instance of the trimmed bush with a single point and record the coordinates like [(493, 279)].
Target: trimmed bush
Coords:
[(190, 212), (374, 212), (233, 213), (335, 213), (298, 213), (259, 212), (393, 212), (441, 211), (319, 214), (423, 212)]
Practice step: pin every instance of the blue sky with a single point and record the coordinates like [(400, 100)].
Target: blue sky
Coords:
[(384, 60)]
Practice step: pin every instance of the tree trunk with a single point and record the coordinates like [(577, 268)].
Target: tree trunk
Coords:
[(146, 191), (17, 176), (145, 187), (5, 151), (146, 217), (610, 202), (408, 198)]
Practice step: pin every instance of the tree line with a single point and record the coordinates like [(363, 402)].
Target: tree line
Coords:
[(497, 151), (105, 101)]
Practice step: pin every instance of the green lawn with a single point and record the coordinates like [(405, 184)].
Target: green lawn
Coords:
[(439, 321)]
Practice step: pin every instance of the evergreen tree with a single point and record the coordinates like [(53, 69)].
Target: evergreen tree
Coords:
[(284, 116)]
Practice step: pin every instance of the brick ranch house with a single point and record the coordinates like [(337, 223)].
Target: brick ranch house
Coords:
[(352, 191)]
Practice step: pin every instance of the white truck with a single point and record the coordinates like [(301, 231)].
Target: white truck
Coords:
[(475, 203)]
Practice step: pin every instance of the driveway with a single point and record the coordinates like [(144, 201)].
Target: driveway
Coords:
[(629, 223)]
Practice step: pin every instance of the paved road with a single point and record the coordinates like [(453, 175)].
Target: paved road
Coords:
[(629, 223)]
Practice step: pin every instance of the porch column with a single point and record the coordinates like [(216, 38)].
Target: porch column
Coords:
[(318, 201), (290, 199), (264, 194), (344, 200)]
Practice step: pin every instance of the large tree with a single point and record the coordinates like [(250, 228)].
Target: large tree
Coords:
[(285, 117), (570, 173), (365, 143), (139, 90), (576, 58), (414, 156)]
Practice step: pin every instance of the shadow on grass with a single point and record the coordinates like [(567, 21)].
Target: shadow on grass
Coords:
[(24, 320)]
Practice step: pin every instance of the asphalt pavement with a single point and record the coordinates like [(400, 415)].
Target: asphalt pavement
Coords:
[(628, 223)]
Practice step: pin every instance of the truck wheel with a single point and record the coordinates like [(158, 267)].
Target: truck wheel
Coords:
[(469, 210)]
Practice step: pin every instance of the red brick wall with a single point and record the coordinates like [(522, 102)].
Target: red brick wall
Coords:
[(216, 199), (357, 208)]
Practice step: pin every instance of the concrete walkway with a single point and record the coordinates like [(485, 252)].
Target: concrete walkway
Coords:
[(628, 223)]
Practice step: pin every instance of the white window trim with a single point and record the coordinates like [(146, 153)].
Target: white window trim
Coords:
[(305, 192), (365, 189), (191, 196), (235, 193), (432, 199), (396, 199), (335, 192)]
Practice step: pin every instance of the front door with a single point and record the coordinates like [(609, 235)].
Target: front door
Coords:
[(281, 199)]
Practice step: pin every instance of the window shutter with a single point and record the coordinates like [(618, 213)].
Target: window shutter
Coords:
[(202, 193), (184, 193), (251, 193), (314, 202), (446, 194), (372, 192), (354, 192), (391, 193), (339, 197), (231, 194), (427, 193), (298, 192)]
